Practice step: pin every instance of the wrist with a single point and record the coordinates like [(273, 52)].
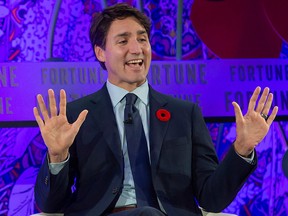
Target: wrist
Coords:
[(242, 151), (57, 158)]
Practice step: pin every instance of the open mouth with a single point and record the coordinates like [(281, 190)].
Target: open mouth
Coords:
[(135, 62)]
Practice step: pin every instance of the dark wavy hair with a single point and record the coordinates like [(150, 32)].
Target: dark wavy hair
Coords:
[(101, 23)]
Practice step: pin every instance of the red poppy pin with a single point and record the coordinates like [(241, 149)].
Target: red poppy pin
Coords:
[(163, 115)]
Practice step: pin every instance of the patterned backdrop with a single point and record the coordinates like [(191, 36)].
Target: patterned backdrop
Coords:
[(53, 30)]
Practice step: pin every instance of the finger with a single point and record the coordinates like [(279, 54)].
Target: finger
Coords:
[(81, 118), (272, 116), (38, 118), (237, 111), (63, 101), (42, 107), (253, 99), (268, 104), (52, 103), (262, 100)]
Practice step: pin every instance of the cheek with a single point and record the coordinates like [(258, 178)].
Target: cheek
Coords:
[(147, 47), (147, 50), (113, 58)]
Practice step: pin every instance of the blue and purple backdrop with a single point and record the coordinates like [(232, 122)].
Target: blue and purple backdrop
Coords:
[(205, 51)]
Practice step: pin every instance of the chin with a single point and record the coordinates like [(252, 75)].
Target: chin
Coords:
[(138, 81)]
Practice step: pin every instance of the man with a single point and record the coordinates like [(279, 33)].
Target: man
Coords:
[(91, 150)]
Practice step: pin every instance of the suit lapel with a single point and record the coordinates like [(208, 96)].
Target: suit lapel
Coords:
[(104, 116), (158, 128), (103, 113)]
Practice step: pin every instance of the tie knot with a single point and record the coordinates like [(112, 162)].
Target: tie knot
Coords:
[(130, 98)]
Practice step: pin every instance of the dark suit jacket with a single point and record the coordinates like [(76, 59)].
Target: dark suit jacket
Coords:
[(184, 164)]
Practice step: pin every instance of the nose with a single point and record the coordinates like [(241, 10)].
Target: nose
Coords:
[(135, 47)]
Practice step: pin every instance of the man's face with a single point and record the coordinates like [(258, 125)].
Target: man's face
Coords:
[(127, 54)]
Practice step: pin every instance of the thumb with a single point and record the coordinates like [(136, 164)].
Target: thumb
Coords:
[(81, 118), (237, 111)]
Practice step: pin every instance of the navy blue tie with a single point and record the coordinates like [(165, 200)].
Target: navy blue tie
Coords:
[(138, 154)]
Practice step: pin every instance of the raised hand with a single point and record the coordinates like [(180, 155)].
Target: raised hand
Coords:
[(253, 127), (57, 132)]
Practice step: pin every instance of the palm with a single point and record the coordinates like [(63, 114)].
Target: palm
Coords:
[(58, 134)]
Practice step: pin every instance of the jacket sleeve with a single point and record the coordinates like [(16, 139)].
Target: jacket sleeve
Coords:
[(216, 185), (52, 192)]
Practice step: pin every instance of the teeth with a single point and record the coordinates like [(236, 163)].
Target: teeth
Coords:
[(139, 61)]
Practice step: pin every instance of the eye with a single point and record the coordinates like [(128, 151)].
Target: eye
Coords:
[(142, 39), (122, 41)]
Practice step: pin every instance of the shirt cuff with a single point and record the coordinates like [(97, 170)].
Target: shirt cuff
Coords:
[(55, 168), (249, 159)]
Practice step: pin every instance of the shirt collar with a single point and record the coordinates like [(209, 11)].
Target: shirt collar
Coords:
[(116, 93)]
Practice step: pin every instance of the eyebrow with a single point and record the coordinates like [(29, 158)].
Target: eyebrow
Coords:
[(126, 34)]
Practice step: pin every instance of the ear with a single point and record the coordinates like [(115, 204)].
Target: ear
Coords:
[(100, 54)]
